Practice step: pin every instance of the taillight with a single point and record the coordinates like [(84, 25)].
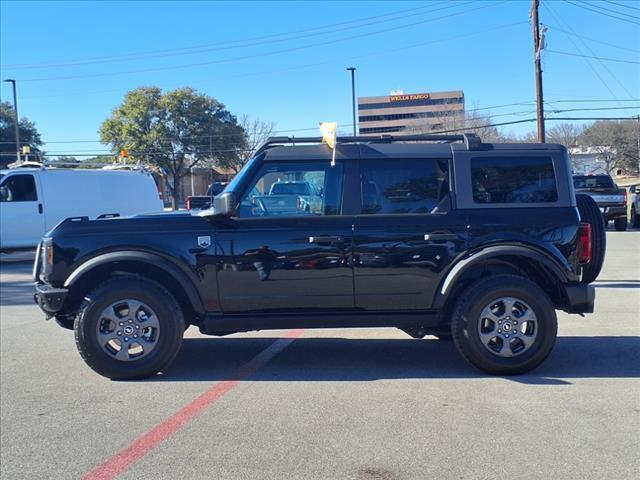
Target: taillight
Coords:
[(188, 203), (584, 243)]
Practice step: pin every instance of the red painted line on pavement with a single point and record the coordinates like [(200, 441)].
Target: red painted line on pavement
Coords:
[(124, 459)]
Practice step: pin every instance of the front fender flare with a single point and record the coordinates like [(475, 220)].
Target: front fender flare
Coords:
[(154, 260)]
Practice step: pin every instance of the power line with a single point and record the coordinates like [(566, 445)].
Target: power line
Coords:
[(566, 32), (462, 129), (575, 45), (216, 46), (605, 59), (185, 50), (622, 5), (602, 13), (617, 80), (315, 64), (595, 109), (286, 131), (593, 101), (276, 52), (618, 12)]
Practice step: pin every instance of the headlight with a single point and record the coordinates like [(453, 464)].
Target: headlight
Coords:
[(46, 260)]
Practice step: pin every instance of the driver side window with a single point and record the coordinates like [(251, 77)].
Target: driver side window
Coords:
[(18, 188), (293, 189)]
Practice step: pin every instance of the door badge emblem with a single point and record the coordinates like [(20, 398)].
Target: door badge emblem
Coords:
[(204, 242)]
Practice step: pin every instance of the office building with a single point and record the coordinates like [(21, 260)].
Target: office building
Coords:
[(400, 113)]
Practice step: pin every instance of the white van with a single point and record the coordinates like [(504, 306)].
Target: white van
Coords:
[(34, 200)]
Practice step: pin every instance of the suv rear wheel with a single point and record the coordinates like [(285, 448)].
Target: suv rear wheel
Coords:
[(129, 327), (504, 325)]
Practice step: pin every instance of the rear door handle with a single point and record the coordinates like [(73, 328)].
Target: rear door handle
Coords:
[(39, 208), (325, 239), (440, 236)]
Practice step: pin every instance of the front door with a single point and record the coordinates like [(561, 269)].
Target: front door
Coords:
[(21, 211), (288, 250), (406, 235)]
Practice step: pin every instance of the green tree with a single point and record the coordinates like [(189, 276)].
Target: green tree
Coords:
[(29, 135), (174, 131)]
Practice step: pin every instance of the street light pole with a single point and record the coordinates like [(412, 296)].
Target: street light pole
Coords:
[(353, 96), (15, 117)]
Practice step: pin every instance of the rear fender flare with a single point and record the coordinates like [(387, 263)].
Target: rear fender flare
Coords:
[(151, 259), (463, 265)]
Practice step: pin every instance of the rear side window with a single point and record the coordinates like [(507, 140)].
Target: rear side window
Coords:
[(18, 188), (403, 186), (513, 180)]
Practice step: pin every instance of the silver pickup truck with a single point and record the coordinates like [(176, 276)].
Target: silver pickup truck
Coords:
[(611, 199)]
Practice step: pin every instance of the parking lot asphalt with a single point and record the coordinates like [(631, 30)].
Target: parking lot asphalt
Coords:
[(362, 404)]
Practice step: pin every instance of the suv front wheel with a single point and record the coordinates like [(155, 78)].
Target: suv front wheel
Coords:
[(129, 327), (504, 325)]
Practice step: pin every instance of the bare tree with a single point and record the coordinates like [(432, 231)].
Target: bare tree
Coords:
[(616, 143), (256, 132), (566, 134), (472, 122)]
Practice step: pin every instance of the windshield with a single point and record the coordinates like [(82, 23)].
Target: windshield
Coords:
[(594, 181)]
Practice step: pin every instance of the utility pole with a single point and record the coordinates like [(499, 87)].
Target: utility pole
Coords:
[(537, 47), (353, 96), (15, 117)]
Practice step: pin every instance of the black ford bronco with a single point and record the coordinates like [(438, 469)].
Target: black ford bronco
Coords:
[(435, 235)]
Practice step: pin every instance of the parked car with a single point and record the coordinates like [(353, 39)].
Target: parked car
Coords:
[(634, 200), (400, 239), (199, 202), (611, 199), (34, 200), (288, 198)]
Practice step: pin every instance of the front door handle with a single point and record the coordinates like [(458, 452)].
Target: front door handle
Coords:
[(40, 208), (440, 236), (325, 239)]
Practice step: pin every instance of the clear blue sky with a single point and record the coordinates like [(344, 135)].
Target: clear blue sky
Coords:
[(299, 79)]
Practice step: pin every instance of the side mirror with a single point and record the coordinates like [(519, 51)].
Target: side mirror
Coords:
[(225, 204)]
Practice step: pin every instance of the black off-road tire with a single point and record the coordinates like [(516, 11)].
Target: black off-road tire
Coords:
[(635, 218), (466, 317), (590, 213), (167, 310), (621, 224)]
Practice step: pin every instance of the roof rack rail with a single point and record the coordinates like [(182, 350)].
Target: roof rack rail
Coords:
[(471, 140)]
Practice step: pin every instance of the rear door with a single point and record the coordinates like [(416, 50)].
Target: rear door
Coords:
[(21, 211), (407, 232), (287, 254)]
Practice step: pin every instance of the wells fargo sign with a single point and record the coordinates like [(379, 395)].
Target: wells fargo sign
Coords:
[(413, 96)]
